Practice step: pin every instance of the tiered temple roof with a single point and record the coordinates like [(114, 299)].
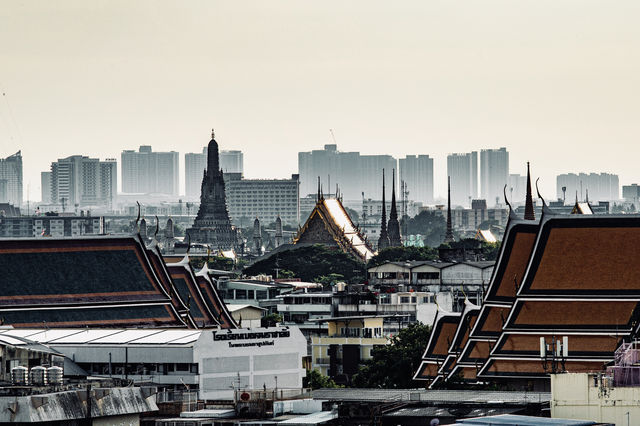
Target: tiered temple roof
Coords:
[(98, 281), (573, 278), (102, 281), (330, 224)]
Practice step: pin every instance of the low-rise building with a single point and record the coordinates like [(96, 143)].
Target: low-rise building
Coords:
[(214, 362), (348, 344)]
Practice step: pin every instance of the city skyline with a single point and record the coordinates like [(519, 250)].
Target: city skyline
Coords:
[(234, 156), (551, 82)]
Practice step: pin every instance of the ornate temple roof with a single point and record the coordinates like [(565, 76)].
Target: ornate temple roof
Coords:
[(330, 224), (92, 281)]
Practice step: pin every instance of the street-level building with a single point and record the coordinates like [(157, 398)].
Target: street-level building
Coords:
[(348, 344), (213, 362)]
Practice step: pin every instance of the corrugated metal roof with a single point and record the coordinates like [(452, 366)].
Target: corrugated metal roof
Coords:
[(469, 396)]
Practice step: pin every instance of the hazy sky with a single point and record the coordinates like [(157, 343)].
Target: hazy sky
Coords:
[(556, 82)]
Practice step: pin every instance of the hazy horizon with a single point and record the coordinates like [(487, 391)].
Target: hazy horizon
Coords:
[(555, 82)]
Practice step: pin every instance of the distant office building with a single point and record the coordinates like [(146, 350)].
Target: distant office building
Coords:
[(354, 173), (463, 170), (517, 188), (631, 193), (417, 173), (51, 226), (148, 172), (194, 165), (232, 161), (494, 174), (45, 185), (83, 181), (11, 179), (265, 199), (598, 186)]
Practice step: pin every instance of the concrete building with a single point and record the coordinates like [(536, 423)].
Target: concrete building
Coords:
[(265, 199), (416, 171), (494, 174), (516, 189), (45, 185), (348, 344), (147, 172), (11, 179), (592, 396), (83, 181), (231, 161), (354, 173), (463, 170), (213, 362), (594, 186), (195, 163), (631, 194)]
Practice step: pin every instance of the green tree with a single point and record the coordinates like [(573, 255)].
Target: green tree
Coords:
[(393, 365), (428, 223), (309, 263), (270, 320), (317, 380), (398, 254)]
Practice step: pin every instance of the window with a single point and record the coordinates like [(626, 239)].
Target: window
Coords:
[(404, 299)]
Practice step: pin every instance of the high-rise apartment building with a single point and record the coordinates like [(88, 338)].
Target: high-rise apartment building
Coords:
[(83, 181), (194, 165), (417, 173), (231, 161), (494, 174), (354, 173), (463, 170), (517, 188), (265, 199), (149, 172), (11, 179), (598, 186), (45, 185)]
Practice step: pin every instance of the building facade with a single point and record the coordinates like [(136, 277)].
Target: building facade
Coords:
[(148, 172), (416, 172), (494, 174), (595, 186), (354, 173), (462, 168), (11, 179), (83, 181), (265, 199), (195, 163), (232, 161), (45, 186)]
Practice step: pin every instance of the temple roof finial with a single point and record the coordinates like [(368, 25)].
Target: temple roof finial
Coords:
[(213, 134)]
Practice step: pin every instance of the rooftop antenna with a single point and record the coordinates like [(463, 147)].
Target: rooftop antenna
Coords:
[(333, 136)]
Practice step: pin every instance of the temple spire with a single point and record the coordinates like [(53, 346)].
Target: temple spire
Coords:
[(395, 240), (529, 213), (448, 236), (383, 241), (213, 161)]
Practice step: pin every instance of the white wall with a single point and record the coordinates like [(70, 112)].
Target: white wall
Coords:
[(252, 356)]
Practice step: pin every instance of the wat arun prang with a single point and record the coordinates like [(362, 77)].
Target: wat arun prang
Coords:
[(212, 225)]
